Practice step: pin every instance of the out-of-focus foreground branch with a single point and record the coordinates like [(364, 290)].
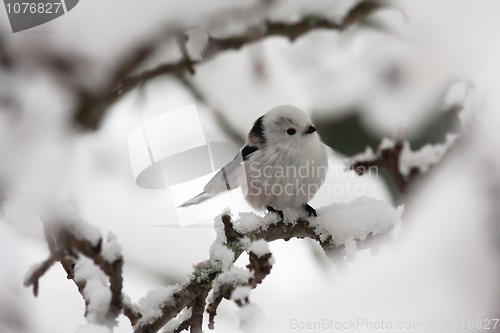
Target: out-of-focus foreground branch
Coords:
[(67, 246), (387, 158), (181, 307), (92, 107)]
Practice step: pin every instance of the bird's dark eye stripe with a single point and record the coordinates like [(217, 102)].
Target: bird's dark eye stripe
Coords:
[(291, 131), (257, 131), (247, 150)]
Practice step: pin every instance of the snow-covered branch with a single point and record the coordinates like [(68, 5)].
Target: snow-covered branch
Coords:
[(69, 241), (236, 284), (387, 157), (96, 265), (401, 162), (337, 226)]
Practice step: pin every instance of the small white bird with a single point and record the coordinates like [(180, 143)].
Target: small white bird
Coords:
[(282, 164)]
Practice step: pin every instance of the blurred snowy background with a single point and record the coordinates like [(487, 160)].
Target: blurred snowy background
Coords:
[(412, 71)]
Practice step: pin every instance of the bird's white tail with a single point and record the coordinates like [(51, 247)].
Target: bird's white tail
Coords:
[(197, 199)]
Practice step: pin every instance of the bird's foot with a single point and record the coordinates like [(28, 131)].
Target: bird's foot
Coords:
[(310, 210), (279, 212)]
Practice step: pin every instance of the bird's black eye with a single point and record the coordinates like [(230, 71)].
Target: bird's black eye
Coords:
[(291, 131)]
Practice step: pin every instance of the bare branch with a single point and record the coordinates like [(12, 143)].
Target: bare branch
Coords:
[(198, 309), (182, 40)]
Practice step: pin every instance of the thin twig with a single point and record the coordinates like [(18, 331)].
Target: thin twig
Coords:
[(34, 277), (182, 39), (389, 159)]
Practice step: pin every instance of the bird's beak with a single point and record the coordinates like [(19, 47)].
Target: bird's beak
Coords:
[(311, 129)]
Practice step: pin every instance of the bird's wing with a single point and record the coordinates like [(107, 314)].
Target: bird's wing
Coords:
[(228, 178), (197, 199)]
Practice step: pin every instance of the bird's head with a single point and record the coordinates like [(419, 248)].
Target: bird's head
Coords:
[(285, 124)]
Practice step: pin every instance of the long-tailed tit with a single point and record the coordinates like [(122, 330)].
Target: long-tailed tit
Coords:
[(282, 164)]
